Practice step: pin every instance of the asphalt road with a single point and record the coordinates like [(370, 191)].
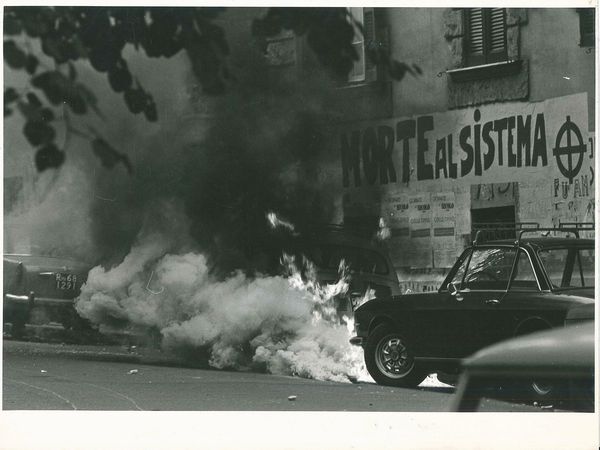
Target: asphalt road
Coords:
[(39, 377)]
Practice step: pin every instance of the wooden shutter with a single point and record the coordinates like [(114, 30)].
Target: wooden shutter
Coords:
[(357, 73), (475, 24), (497, 30), (587, 27), (369, 38), (486, 35)]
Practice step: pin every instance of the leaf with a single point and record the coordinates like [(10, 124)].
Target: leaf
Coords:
[(33, 100), (10, 95), (49, 157), (150, 109), (109, 157), (46, 114), (103, 58), (38, 133), (135, 99), (58, 89), (31, 64), (13, 55), (12, 25), (53, 46), (30, 111), (51, 83), (89, 97), (119, 77)]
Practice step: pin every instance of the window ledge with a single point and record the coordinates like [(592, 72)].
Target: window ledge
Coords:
[(493, 70)]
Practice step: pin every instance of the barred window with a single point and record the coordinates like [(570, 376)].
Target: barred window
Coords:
[(485, 35), (587, 27)]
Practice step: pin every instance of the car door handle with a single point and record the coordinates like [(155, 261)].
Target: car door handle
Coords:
[(492, 301)]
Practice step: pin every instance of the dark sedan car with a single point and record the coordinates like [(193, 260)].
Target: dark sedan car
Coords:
[(45, 284), (496, 290)]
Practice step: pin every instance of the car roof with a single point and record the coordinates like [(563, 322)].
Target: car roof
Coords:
[(569, 349), (45, 260), (545, 242)]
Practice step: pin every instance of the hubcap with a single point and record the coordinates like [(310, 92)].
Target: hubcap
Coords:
[(541, 387), (392, 357)]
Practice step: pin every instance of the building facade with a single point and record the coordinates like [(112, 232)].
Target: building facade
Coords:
[(497, 130), (494, 126)]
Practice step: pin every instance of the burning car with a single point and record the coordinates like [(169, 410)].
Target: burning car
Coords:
[(44, 284), (371, 272), (496, 290)]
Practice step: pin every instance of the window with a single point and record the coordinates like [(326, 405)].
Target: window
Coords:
[(568, 268), (524, 277), (489, 269), (587, 27), (486, 35), (363, 70)]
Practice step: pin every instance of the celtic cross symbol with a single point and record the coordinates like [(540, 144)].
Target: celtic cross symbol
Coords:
[(569, 150)]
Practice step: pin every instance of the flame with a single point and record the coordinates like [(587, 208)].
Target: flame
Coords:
[(277, 222), (383, 231)]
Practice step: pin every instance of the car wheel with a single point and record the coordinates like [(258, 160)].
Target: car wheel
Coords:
[(390, 359)]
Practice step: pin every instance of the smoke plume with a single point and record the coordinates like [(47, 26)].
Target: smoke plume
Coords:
[(279, 324)]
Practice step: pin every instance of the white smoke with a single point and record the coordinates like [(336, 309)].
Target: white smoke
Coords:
[(281, 324)]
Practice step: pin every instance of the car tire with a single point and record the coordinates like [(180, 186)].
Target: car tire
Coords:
[(390, 360)]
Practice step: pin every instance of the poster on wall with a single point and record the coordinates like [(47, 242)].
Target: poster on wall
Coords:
[(442, 204), (444, 229), (419, 215), (394, 211)]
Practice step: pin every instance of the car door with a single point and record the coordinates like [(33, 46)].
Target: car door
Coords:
[(480, 292)]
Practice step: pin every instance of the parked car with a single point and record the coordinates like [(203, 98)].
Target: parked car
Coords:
[(367, 259), (496, 290), (43, 283), (563, 358)]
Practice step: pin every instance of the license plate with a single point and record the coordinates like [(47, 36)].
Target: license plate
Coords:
[(66, 281)]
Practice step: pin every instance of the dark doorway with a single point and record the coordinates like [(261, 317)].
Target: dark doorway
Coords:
[(497, 223)]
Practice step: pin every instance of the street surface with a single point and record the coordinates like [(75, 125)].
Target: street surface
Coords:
[(70, 377)]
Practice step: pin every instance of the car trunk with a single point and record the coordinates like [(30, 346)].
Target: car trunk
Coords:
[(46, 277)]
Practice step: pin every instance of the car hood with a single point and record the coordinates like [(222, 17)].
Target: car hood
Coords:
[(569, 349)]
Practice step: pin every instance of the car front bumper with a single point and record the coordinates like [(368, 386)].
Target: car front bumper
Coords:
[(358, 341)]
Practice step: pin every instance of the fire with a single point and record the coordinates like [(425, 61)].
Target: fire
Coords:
[(276, 222), (280, 324)]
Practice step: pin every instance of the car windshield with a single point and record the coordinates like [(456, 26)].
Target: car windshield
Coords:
[(328, 256), (568, 267)]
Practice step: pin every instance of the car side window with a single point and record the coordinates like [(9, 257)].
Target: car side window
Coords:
[(524, 277), (489, 268)]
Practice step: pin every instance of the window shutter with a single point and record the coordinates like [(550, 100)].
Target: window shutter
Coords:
[(475, 24), (486, 35), (497, 30), (358, 70), (370, 42), (587, 27)]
